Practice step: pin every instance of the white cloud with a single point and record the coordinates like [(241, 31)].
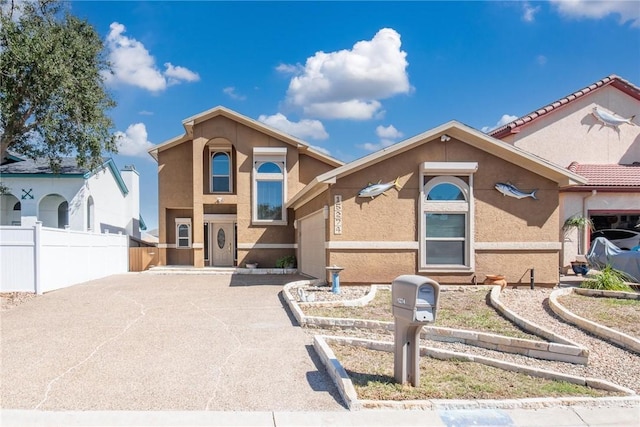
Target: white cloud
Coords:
[(389, 132), (133, 142), (541, 59), (388, 136), (231, 92), (506, 118), (306, 128), (370, 146), (177, 73), (145, 113), (353, 109), (597, 9), (289, 68), (132, 64), (348, 83), (529, 12)]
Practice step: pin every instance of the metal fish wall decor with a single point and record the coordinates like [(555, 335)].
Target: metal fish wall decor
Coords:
[(373, 190), (510, 190), (611, 119)]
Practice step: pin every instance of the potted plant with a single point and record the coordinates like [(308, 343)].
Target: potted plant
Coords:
[(580, 223), (580, 267)]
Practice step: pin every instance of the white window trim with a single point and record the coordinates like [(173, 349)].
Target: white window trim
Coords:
[(229, 152), (263, 155), (187, 222), (444, 173)]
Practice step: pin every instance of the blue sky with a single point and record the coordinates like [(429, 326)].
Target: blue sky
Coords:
[(349, 77)]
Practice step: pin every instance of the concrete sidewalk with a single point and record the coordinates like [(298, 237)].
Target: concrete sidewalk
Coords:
[(557, 416)]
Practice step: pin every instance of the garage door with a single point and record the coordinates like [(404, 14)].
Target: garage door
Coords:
[(312, 253)]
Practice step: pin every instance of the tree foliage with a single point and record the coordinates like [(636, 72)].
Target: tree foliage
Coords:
[(53, 101)]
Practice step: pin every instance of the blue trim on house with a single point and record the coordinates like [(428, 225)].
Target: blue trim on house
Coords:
[(13, 157), (116, 174), (142, 224)]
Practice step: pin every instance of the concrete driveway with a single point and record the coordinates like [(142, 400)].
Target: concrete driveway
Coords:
[(143, 341)]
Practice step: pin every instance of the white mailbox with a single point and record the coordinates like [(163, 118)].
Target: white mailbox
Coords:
[(415, 298), (414, 304)]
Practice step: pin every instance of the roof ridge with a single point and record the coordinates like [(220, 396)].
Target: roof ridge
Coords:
[(612, 79)]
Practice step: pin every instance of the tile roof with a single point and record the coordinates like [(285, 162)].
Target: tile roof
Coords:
[(608, 175), (612, 80)]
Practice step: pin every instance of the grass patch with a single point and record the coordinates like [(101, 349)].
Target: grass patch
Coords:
[(466, 309), (616, 313), (372, 375)]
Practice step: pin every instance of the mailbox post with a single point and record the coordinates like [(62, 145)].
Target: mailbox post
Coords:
[(414, 304)]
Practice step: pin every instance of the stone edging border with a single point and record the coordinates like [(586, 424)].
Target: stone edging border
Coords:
[(558, 349), (625, 341), (347, 390)]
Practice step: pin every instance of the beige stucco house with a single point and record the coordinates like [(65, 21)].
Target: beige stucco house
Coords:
[(222, 189), (570, 132), (233, 190), (447, 221)]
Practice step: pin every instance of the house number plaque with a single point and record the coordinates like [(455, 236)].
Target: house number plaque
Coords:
[(337, 214)]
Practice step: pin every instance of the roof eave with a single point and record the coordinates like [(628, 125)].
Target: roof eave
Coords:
[(611, 80), (190, 122)]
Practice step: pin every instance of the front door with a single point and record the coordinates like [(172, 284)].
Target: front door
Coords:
[(222, 244)]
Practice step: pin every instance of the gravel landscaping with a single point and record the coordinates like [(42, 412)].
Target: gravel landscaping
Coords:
[(606, 361)]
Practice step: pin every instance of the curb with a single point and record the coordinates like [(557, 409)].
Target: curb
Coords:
[(347, 390), (557, 349), (624, 340)]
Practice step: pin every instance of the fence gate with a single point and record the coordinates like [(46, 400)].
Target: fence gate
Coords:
[(143, 258)]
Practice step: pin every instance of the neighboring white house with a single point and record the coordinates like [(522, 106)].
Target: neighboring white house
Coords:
[(104, 200), (595, 133)]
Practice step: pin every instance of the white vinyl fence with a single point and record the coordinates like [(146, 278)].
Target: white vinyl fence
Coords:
[(40, 259)]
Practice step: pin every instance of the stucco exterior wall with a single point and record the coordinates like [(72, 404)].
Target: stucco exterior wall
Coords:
[(572, 133), (256, 242), (175, 180), (507, 229), (311, 168), (72, 189), (113, 210)]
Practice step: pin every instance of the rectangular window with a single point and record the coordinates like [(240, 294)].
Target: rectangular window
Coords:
[(221, 167), (269, 200), (445, 239), (446, 224), (183, 233), (269, 185)]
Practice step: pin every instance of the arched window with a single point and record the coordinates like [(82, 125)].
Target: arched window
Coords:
[(90, 213), (183, 233), (221, 172), (446, 226), (269, 185), (445, 191)]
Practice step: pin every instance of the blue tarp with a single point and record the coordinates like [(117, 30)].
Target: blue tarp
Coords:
[(603, 252)]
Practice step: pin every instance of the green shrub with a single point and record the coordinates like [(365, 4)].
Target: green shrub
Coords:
[(286, 262), (608, 279)]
